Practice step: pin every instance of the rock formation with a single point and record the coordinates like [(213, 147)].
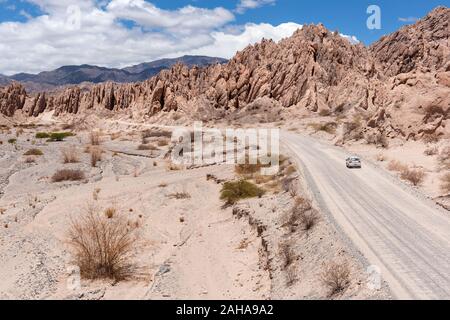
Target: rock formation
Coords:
[(400, 84)]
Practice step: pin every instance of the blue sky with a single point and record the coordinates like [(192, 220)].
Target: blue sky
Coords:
[(38, 35)]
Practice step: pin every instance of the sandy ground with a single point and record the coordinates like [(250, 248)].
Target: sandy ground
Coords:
[(187, 248), (401, 232)]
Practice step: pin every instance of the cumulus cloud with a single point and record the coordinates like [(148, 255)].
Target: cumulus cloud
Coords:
[(244, 5), (228, 43), (73, 32)]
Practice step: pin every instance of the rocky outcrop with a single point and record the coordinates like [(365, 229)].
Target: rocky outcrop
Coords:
[(394, 83), (423, 46), (12, 98)]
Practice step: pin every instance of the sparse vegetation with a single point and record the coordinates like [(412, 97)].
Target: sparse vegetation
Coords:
[(42, 135), (444, 158), (431, 151), (445, 183), (155, 133), (30, 160), (234, 191), (302, 214), (94, 138), (163, 142), (179, 195), (328, 127), (147, 147), (286, 253), (415, 176), (102, 246), (70, 155), (110, 212), (336, 277), (33, 152), (59, 136), (397, 166), (96, 156), (67, 175), (12, 141)]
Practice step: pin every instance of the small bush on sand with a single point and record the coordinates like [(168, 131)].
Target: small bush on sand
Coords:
[(415, 176), (286, 253), (70, 155), (302, 214), (60, 136), (67, 175), (110, 212), (96, 156), (33, 152), (94, 138), (445, 183), (12, 141), (147, 147), (336, 277), (179, 195), (155, 133), (102, 247), (30, 160), (328, 127), (444, 158), (378, 139), (431, 151), (163, 142), (42, 135), (234, 191), (397, 166)]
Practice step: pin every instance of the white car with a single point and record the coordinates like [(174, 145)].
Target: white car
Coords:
[(353, 162)]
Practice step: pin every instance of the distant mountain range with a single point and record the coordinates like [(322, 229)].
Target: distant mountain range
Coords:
[(72, 75)]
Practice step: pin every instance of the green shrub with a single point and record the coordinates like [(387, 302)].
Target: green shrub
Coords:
[(236, 190), (42, 135), (12, 141), (60, 136), (33, 152)]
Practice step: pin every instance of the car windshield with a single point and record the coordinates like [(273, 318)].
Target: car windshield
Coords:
[(354, 159)]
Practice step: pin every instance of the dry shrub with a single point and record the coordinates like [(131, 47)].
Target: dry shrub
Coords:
[(336, 277), (174, 167), (324, 112), (110, 212), (102, 247), (444, 158), (94, 138), (147, 147), (163, 142), (431, 151), (352, 130), (163, 185), (70, 155), (291, 275), (430, 138), (96, 156), (329, 127), (115, 135), (179, 195), (381, 157), (30, 160), (67, 175), (302, 214), (397, 166), (286, 253), (415, 176), (445, 183), (156, 133)]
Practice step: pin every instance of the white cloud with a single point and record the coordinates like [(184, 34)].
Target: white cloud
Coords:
[(244, 5), (52, 40), (228, 43)]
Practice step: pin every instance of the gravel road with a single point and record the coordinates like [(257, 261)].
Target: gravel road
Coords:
[(403, 234)]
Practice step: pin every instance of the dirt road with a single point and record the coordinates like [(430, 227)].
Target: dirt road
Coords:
[(405, 235)]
